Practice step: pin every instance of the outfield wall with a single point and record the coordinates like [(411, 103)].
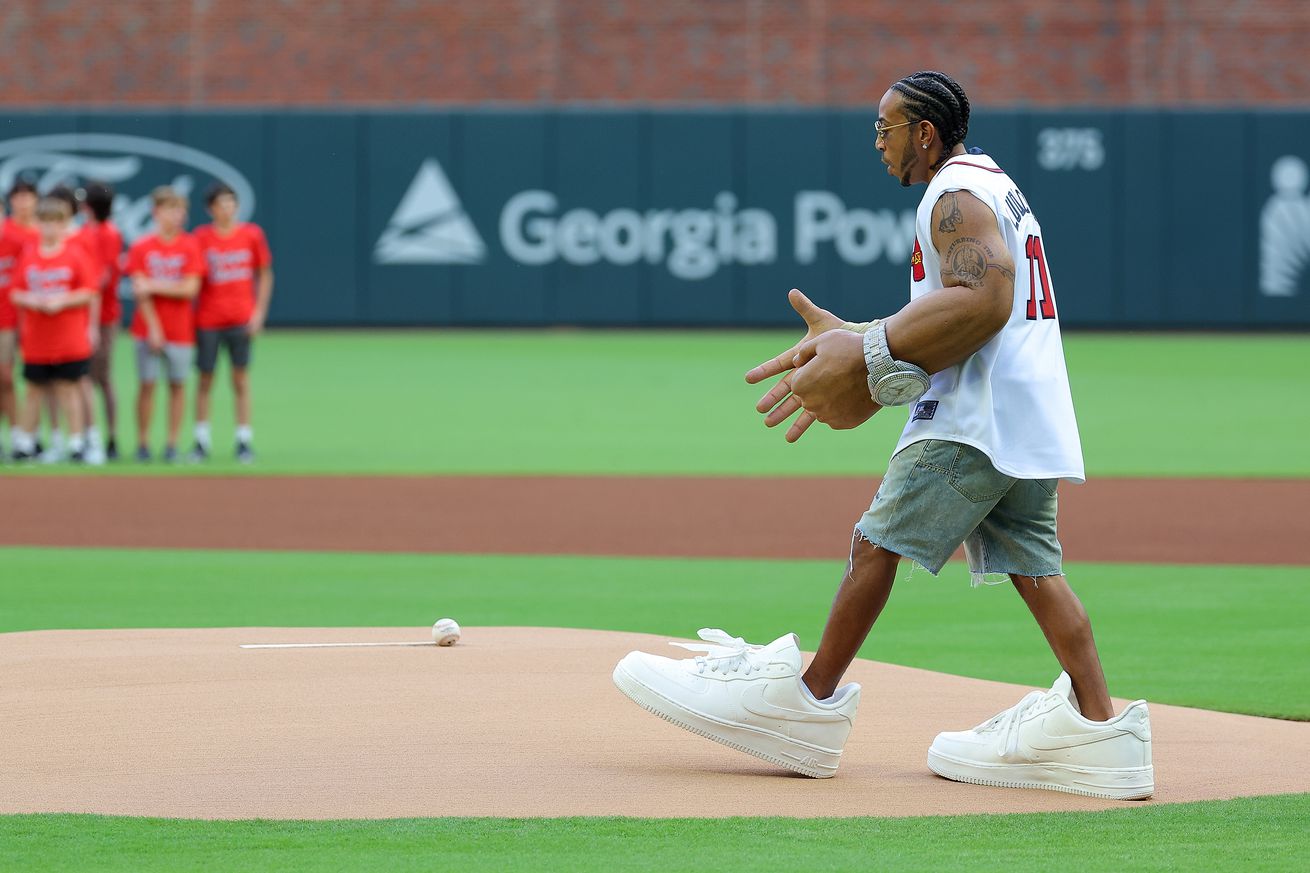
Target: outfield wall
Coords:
[(1152, 219)]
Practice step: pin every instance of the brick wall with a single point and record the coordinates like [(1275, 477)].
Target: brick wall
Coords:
[(835, 52)]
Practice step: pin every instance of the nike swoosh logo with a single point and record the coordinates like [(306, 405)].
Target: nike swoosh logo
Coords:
[(754, 702), (1058, 741)]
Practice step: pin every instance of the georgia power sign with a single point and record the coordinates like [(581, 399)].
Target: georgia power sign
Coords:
[(430, 226), (536, 227), (121, 160)]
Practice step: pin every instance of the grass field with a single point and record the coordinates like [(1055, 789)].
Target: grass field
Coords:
[(1254, 834), (565, 402), (1196, 636), (1230, 638)]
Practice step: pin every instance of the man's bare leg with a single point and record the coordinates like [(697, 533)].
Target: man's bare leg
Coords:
[(1063, 620), (860, 598)]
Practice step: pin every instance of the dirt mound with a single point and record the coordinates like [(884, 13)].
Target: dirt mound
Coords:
[(510, 722)]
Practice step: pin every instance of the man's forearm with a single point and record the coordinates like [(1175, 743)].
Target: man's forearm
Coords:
[(942, 328)]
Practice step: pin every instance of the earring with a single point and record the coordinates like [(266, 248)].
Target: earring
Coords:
[(925, 145)]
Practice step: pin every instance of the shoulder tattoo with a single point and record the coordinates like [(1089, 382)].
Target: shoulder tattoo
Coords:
[(968, 259), (951, 215)]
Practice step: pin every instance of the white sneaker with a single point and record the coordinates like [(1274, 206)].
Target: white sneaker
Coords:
[(748, 697), (1044, 742), (95, 448)]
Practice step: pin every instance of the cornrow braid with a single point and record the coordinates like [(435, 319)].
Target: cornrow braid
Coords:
[(936, 97)]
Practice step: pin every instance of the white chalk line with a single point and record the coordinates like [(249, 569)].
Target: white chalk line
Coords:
[(327, 645)]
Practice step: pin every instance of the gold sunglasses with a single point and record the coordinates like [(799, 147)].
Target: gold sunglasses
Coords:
[(883, 128)]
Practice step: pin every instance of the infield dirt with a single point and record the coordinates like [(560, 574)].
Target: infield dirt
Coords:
[(1178, 521), (525, 721), (510, 722)]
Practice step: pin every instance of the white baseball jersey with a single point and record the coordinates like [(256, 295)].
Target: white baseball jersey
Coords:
[(1010, 399)]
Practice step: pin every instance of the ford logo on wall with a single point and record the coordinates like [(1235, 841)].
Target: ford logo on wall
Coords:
[(132, 164)]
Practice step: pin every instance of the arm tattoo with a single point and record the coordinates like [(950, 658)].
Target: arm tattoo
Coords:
[(967, 260), (951, 215)]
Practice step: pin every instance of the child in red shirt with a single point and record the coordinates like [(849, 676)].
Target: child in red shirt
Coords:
[(100, 235), (165, 267), (16, 234), (53, 286), (230, 311), (79, 244)]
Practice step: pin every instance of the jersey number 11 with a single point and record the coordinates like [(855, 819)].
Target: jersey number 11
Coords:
[(1037, 269)]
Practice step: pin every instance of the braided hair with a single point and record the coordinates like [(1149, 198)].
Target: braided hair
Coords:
[(936, 97)]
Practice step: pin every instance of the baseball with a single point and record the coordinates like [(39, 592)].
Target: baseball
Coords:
[(446, 632)]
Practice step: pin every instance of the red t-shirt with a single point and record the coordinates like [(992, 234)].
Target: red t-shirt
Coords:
[(227, 294), (103, 244), (152, 257), (84, 240), (62, 336), (14, 238)]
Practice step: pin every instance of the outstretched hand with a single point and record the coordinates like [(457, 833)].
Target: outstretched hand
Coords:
[(817, 321), (831, 381), (828, 384), (821, 376)]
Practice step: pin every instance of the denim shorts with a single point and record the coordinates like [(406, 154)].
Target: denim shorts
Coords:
[(938, 494)]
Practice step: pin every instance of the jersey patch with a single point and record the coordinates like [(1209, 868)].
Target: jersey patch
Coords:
[(916, 262), (924, 410)]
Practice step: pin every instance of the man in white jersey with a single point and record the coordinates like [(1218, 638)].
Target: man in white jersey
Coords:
[(977, 359)]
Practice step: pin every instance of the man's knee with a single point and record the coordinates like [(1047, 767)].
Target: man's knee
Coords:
[(1032, 586), (863, 550)]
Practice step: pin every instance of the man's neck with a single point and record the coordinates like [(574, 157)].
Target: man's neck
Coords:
[(225, 229), (51, 247), (169, 236), (955, 153)]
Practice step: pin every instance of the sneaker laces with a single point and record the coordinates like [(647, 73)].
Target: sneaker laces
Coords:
[(724, 654), (1008, 721)]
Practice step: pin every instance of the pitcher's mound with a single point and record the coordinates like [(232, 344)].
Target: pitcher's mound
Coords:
[(510, 722)]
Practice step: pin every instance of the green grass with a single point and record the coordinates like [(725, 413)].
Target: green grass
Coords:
[(1265, 833), (618, 402), (1230, 638), (674, 403)]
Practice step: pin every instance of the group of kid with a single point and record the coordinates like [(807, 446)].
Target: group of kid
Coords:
[(195, 294)]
